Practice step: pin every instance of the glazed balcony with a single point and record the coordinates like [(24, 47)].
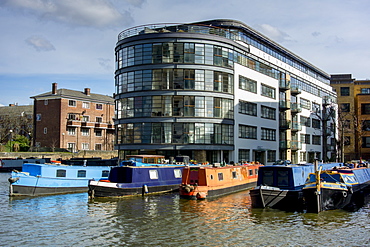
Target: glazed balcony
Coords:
[(285, 124), (295, 90), (295, 108), (284, 144), (296, 145), (284, 85), (284, 105), (296, 126)]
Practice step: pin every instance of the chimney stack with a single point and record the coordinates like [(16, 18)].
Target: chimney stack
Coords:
[(87, 91), (54, 88)]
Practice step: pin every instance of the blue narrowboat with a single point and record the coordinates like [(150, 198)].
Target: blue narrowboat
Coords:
[(48, 179), (337, 188), (280, 185), (139, 175)]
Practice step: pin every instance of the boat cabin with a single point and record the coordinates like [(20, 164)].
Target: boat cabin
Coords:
[(142, 160)]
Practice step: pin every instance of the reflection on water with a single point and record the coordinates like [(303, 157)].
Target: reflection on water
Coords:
[(167, 220)]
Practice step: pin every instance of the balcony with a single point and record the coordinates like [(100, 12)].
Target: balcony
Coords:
[(88, 124), (284, 85), (285, 124), (110, 126), (296, 126), (296, 145), (284, 144), (101, 125), (73, 123), (295, 90), (284, 105), (295, 108)]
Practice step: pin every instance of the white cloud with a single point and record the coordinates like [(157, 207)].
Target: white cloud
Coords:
[(273, 33), (40, 43), (88, 13)]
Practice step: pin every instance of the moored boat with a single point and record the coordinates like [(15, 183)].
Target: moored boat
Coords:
[(48, 179), (8, 164), (201, 182), (280, 186), (338, 188), (139, 175)]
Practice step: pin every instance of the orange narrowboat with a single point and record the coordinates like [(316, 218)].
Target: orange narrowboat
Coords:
[(201, 182)]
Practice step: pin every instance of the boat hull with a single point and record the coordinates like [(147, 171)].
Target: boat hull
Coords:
[(288, 200), (19, 190), (109, 189)]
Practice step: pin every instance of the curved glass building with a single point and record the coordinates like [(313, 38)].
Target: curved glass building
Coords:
[(217, 91)]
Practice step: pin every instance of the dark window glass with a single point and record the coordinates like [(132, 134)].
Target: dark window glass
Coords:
[(81, 174), (344, 91), (61, 173)]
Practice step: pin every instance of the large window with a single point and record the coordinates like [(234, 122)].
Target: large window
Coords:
[(305, 138), (344, 91), (305, 103), (316, 140), (85, 132), (305, 121), (268, 112), (271, 156), (244, 155), (268, 91), (72, 103), (268, 134), (366, 142), (316, 123), (247, 84), (247, 132), (247, 108), (365, 109)]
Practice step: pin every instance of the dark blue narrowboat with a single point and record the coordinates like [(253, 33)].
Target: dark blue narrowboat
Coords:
[(280, 186), (337, 188), (138, 177)]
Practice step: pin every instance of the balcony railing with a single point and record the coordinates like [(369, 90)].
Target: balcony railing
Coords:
[(295, 108), (284, 144), (294, 90), (296, 145), (296, 126), (285, 124), (284, 104)]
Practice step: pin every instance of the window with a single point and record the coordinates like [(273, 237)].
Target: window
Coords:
[(347, 140), (85, 132), (268, 112), (98, 133), (366, 125), (247, 132), (220, 176), (316, 140), (99, 106), (268, 91), (85, 146), (38, 117), (305, 121), (344, 91), (104, 173), (247, 84), (316, 123), (306, 104), (305, 138), (85, 119), (366, 142), (316, 107), (271, 155), (99, 119), (46, 102), (234, 174), (244, 155), (72, 103), (61, 173), (153, 174), (250, 172), (365, 90), (72, 116), (268, 134), (81, 173), (177, 173), (71, 131), (71, 146), (86, 105), (45, 130), (247, 108), (98, 146), (365, 109), (302, 157), (345, 107)]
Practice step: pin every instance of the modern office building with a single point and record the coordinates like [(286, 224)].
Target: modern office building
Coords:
[(354, 116), (73, 120), (219, 91)]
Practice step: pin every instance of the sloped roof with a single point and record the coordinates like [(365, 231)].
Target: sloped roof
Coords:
[(16, 110), (73, 94)]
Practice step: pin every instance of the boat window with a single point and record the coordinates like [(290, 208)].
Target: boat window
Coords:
[(235, 175), (81, 174), (105, 173), (250, 172), (177, 173), (153, 174), (61, 173), (332, 178), (282, 178), (211, 177), (255, 171), (220, 176), (267, 178)]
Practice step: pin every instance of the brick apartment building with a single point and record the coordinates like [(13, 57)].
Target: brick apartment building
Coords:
[(73, 120)]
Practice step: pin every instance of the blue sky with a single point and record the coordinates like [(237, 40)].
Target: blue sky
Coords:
[(72, 42)]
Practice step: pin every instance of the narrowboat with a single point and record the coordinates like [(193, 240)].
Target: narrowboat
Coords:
[(49, 179), (280, 185), (337, 188), (201, 182), (7, 165), (138, 175)]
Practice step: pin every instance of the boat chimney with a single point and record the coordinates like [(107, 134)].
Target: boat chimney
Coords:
[(54, 88)]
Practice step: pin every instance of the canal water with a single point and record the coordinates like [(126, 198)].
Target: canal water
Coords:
[(167, 220)]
